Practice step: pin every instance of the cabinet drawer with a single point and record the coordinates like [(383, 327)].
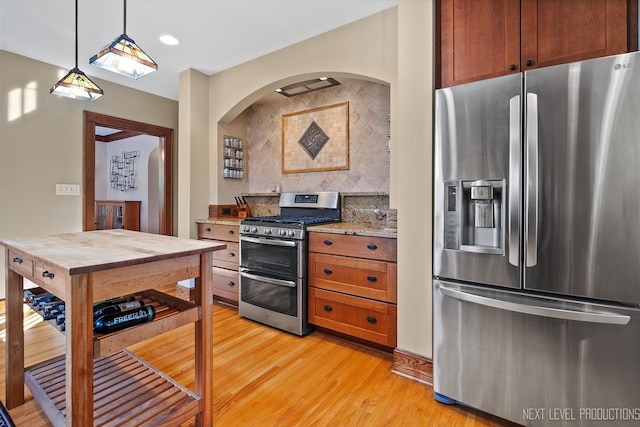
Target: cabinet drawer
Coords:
[(379, 248), (228, 233), (225, 283), (50, 279), (362, 318), (20, 264), (227, 258), (360, 277)]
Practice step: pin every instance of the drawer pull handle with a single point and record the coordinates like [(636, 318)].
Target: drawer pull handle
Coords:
[(47, 274), (328, 308), (372, 320), (328, 242), (231, 284), (207, 229), (230, 232), (18, 260), (328, 271), (372, 246), (231, 254), (372, 279)]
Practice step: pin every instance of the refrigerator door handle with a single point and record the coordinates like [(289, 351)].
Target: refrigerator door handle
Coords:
[(537, 310), (513, 210), (531, 216)]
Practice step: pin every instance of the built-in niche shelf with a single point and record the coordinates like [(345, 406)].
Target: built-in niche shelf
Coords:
[(233, 158)]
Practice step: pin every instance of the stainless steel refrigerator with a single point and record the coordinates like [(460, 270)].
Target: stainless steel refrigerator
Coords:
[(537, 244)]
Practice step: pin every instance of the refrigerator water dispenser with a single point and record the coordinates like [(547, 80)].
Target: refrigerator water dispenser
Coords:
[(474, 220)]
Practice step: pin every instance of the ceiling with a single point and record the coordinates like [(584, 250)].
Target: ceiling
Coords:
[(214, 35)]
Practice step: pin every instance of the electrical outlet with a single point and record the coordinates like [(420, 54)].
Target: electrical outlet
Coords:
[(67, 189)]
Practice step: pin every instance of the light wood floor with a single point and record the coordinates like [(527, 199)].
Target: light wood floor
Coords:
[(265, 377)]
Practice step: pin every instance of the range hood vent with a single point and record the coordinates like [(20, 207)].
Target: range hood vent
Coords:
[(307, 86)]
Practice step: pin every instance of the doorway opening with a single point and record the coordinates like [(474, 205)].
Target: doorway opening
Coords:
[(165, 137)]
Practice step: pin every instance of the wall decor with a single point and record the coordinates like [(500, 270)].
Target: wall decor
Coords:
[(123, 174), (316, 140)]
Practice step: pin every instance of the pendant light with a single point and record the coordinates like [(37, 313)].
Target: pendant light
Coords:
[(76, 84), (124, 56)]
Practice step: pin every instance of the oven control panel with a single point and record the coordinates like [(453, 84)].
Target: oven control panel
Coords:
[(306, 198), (259, 230)]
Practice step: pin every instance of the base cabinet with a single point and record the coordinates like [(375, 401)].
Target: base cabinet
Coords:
[(226, 279), (353, 286)]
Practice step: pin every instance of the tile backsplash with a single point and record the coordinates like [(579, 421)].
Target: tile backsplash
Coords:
[(369, 109), (363, 208)]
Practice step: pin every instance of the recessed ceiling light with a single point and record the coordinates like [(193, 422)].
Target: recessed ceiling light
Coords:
[(170, 40)]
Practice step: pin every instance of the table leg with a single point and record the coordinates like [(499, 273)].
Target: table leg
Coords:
[(14, 348), (79, 353), (204, 340)]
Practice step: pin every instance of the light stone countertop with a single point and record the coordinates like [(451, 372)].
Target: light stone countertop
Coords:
[(354, 229), (221, 221)]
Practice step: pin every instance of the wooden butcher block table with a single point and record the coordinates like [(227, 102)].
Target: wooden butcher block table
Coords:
[(81, 388)]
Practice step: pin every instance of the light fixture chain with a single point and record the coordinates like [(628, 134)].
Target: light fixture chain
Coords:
[(124, 31), (76, 33)]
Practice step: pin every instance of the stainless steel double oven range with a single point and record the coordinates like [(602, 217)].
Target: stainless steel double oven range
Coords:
[(273, 260)]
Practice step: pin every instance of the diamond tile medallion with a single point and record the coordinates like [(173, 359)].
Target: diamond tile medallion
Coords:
[(313, 140)]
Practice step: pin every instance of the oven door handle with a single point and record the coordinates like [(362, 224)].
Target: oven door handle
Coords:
[(286, 243), (269, 280)]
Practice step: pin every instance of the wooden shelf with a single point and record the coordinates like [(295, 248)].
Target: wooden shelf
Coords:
[(127, 391), (171, 313)]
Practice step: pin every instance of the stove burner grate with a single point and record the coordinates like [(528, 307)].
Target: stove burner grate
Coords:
[(279, 219)]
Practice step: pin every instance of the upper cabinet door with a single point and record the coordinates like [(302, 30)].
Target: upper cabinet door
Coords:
[(478, 39), (557, 32)]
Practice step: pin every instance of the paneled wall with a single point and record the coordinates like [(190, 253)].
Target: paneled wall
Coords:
[(369, 108)]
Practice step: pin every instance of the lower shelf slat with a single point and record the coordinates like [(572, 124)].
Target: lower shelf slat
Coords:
[(127, 391)]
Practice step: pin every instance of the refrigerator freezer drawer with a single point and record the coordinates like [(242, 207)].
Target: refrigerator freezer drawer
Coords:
[(535, 360)]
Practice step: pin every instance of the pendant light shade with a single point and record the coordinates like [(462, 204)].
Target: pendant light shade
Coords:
[(124, 56), (76, 84)]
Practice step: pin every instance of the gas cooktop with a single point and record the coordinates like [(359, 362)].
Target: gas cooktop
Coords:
[(297, 211), (280, 219)]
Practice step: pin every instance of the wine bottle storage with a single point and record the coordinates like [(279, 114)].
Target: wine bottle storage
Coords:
[(170, 313), (127, 391)]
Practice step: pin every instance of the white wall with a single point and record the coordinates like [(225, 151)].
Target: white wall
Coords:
[(144, 145)]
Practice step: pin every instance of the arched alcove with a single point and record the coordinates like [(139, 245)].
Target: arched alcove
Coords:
[(257, 118), (366, 154)]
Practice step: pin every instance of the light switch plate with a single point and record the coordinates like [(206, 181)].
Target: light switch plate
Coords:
[(67, 189)]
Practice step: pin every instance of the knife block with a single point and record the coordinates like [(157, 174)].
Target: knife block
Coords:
[(244, 211)]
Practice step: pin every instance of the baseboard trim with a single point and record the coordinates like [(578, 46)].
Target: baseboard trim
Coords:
[(412, 366)]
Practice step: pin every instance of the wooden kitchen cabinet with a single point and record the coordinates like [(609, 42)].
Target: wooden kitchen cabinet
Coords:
[(225, 262), (480, 39), (353, 285), (117, 214)]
